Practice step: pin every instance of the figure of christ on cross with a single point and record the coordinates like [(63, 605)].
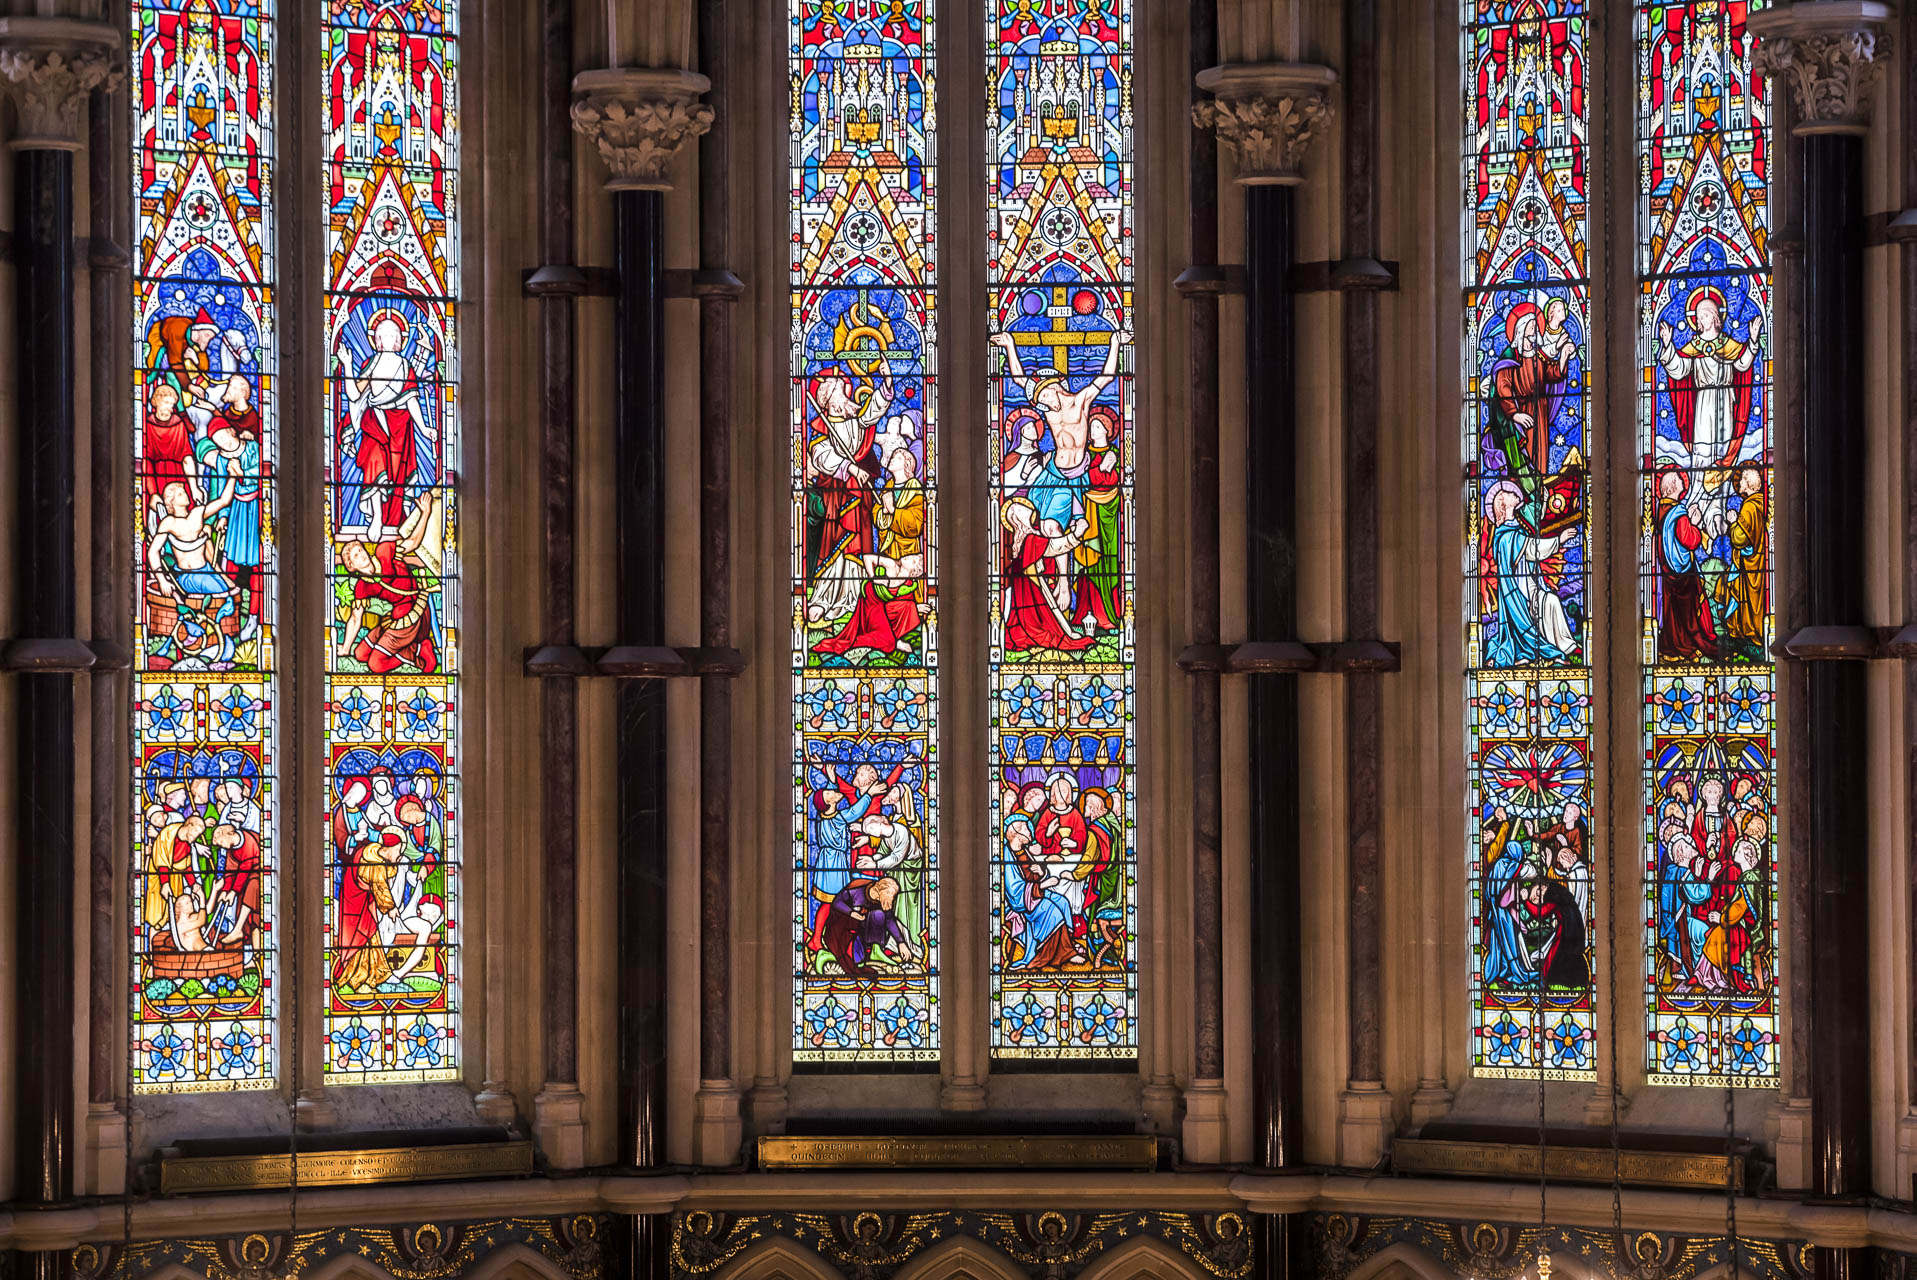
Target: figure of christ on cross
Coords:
[(1057, 490)]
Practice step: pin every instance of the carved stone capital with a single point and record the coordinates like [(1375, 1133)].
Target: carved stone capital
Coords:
[(48, 66), (1829, 53), (639, 117), (1268, 113)]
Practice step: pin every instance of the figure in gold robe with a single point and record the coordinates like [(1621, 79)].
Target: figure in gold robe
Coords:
[(1747, 586)]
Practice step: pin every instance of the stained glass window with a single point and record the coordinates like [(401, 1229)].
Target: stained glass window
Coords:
[(865, 522), (1527, 626), (205, 873), (1060, 404), (391, 630), (1704, 428)]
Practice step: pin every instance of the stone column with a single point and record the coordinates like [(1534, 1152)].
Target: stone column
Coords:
[(1206, 1135), (718, 1124), (1267, 114), (1827, 55), (638, 118), (1364, 1108), (48, 66), (559, 1107)]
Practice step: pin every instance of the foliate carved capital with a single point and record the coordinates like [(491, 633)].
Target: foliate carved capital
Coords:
[(639, 117), (1829, 55), (48, 66), (1268, 113)]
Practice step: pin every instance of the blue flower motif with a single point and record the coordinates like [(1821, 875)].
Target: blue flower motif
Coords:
[(1564, 711), (827, 706), (238, 713), (1100, 1021), (1097, 702), (163, 712), (419, 1044), (1504, 1042), (1026, 1018), (829, 1025), (1747, 1047), (1744, 706), (422, 714), (166, 1057), (1503, 709), (1677, 707), (353, 1044), (1682, 1046), (903, 1020), (1569, 1044), (1026, 703), (353, 715), (900, 706), (239, 1052)]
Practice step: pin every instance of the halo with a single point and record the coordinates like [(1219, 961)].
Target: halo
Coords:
[(388, 313), (1039, 385), (1704, 293), (1005, 512)]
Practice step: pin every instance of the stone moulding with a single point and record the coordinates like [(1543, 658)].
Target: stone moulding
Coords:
[(639, 117)]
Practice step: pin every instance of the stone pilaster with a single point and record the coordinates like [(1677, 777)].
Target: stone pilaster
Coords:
[(1828, 53), (1267, 113), (639, 117)]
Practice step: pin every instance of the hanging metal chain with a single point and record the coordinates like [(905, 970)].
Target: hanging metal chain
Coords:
[(126, 1132), (1730, 1177), (1604, 477), (290, 1053)]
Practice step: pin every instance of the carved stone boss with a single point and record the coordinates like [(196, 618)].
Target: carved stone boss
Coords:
[(1268, 113), (639, 117), (1829, 54)]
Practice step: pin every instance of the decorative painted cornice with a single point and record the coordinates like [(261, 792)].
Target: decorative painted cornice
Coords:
[(1268, 113), (639, 117), (1829, 52), (48, 66)]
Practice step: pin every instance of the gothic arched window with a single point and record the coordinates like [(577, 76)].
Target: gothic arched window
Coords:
[(206, 881), (210, 942), (1539, 669), (866, 450)]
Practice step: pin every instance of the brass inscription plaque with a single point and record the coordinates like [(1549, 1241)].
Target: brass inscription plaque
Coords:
[(1690, 1170), (1124, 1151), (346, 1168)]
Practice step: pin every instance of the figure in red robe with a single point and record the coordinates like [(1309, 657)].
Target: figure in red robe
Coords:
[(166, 440), (1036, 612), (238, 866), (364, 895), (392, 622), (1685, 627), (383, 408)]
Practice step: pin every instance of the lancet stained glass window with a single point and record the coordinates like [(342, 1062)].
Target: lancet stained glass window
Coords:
[(1704, 427), (864, 519), (1060, 404), (1526, 438), (205, 395), (391, 631)]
